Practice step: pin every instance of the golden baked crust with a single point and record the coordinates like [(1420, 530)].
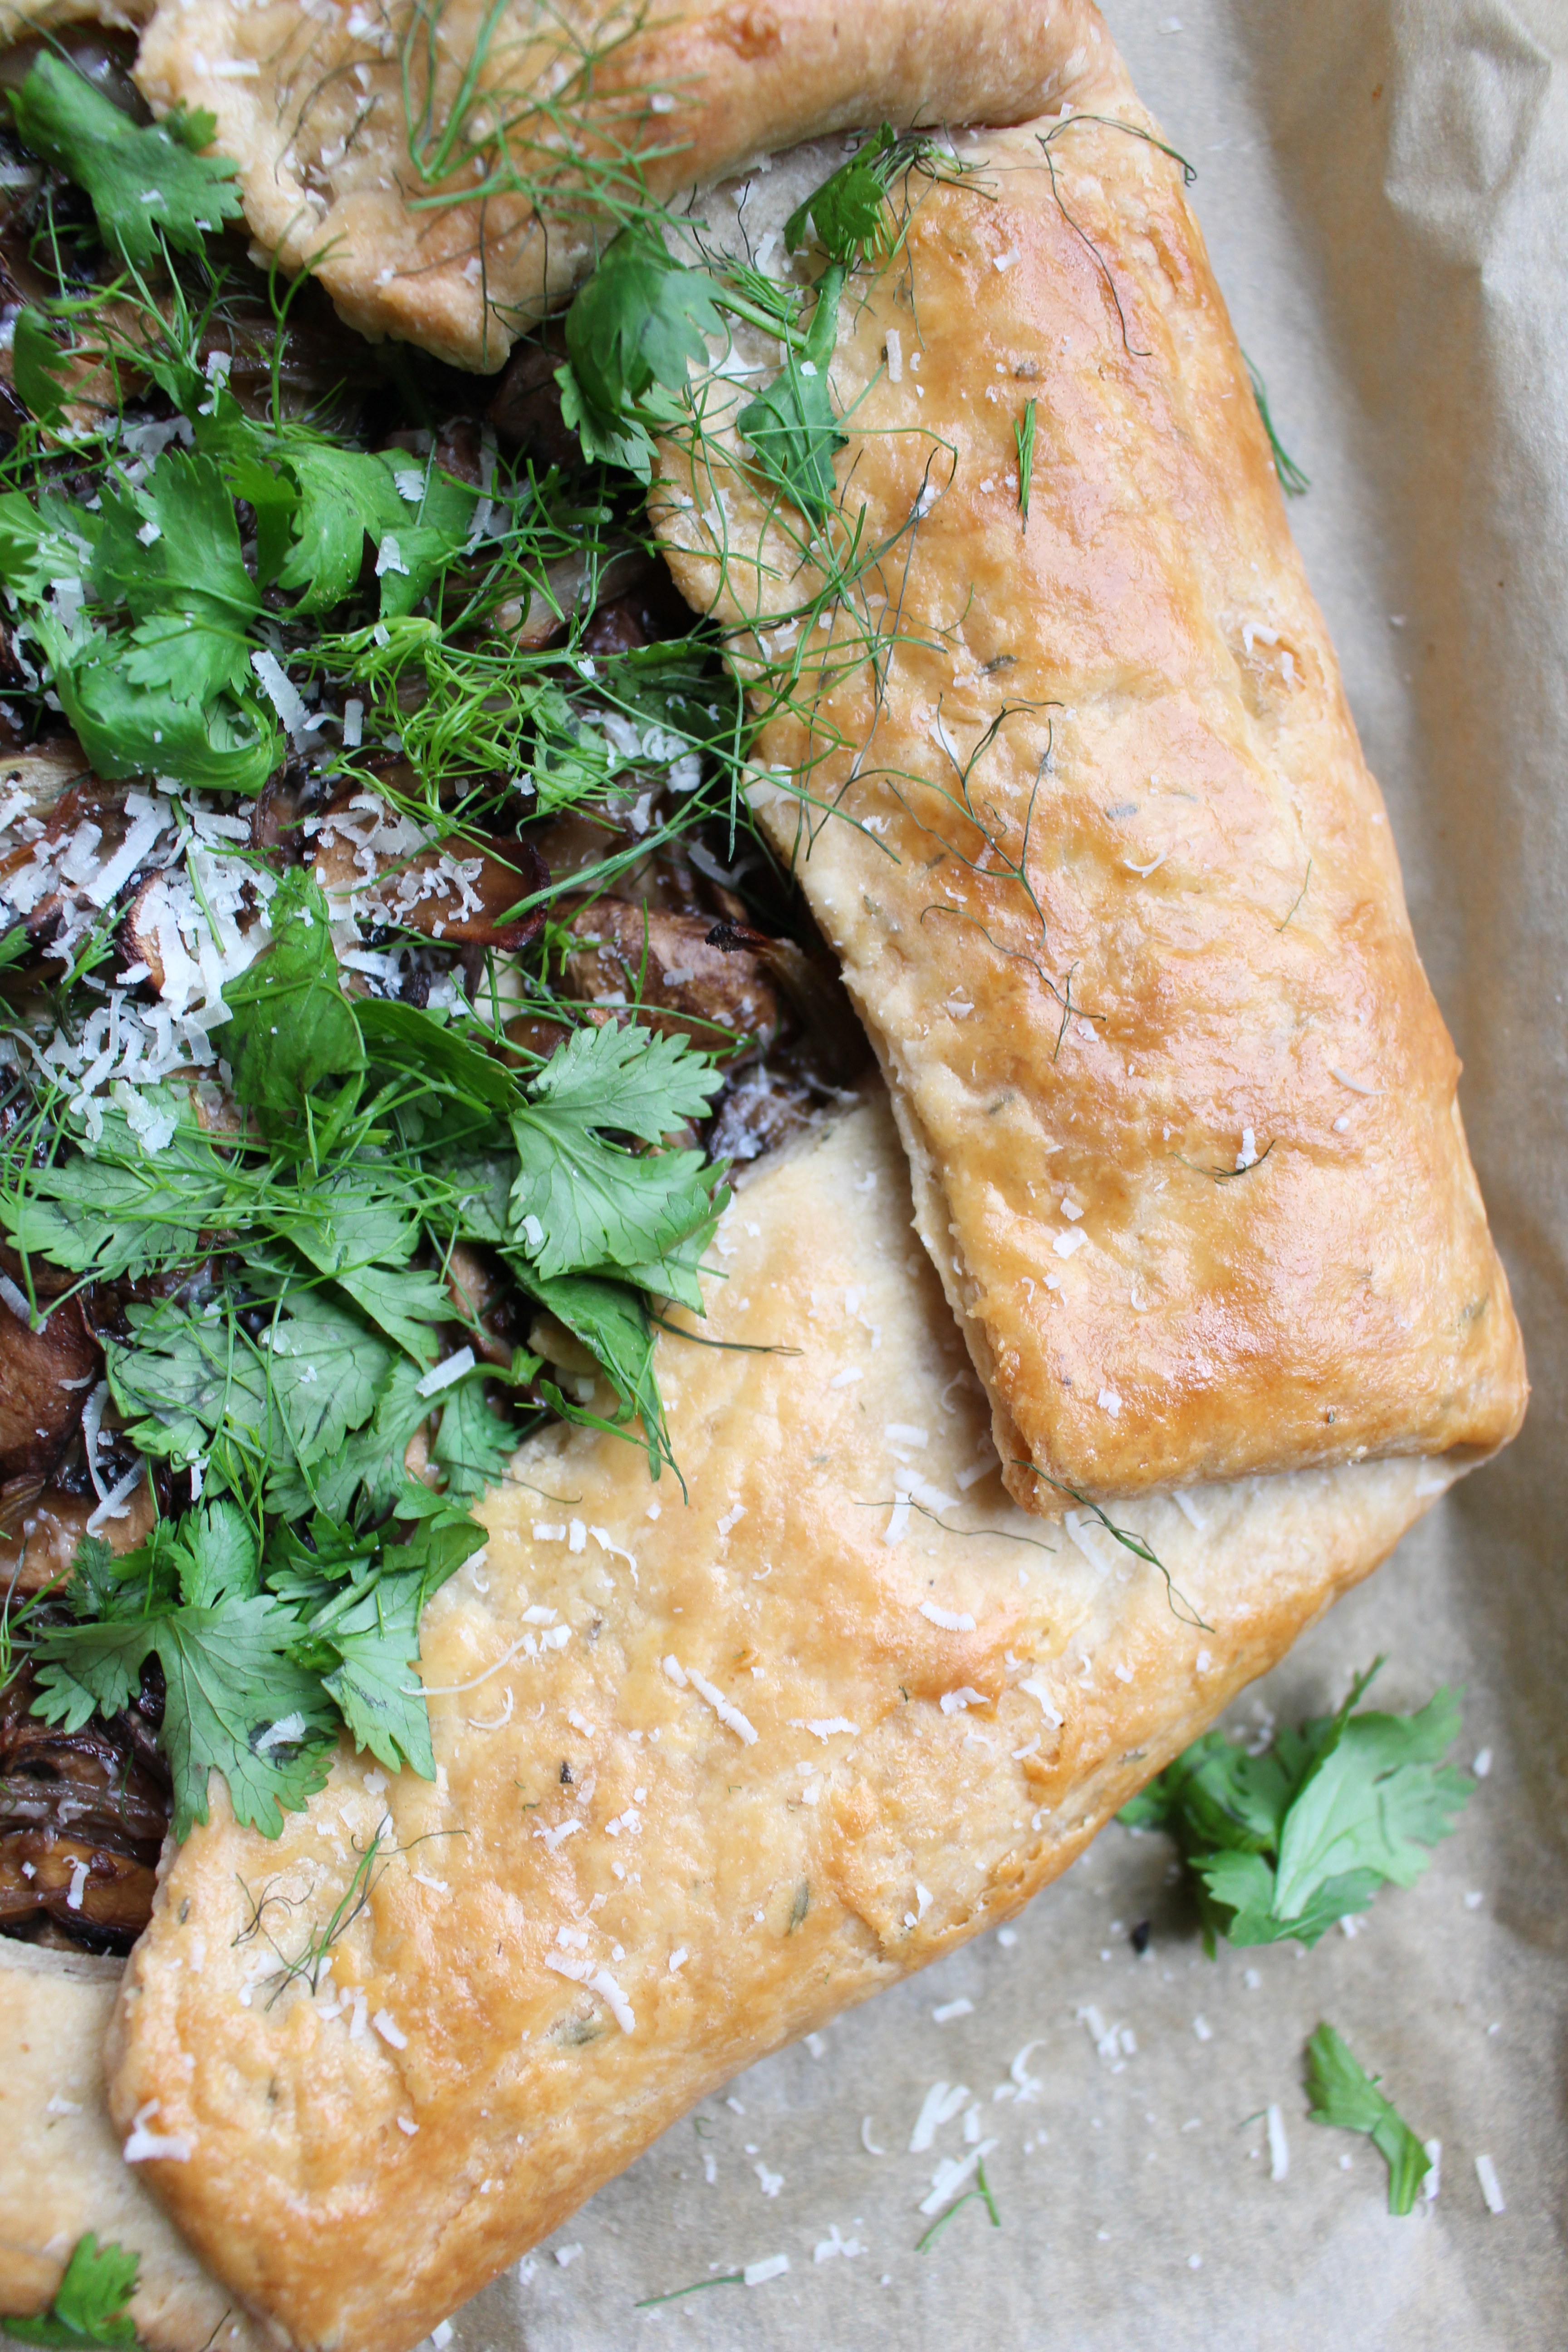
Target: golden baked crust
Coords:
[(629, 1882), (1078, 801), (410, 242), (61, 2171)]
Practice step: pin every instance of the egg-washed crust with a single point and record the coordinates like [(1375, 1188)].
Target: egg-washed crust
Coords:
[(1113, 889), (61, 2172), (312, 103), (505, 1989)]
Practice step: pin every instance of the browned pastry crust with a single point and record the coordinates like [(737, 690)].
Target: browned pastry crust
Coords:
[(668, 97), (627, 1883), (1078, 801)]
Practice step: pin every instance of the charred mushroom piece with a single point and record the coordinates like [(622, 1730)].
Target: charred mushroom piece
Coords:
[(837, 1043), (40, 1527), (475, 1289), (82, 1817), (526, 410), (466, 891), (46, 878), (45, 1377), (666, 966)]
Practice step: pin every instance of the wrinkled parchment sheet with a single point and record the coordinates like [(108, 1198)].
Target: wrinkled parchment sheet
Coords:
[(1385, 191)]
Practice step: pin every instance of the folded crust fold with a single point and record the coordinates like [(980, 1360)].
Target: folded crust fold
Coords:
[(450, 172), (710, 1771), (1076, 795)]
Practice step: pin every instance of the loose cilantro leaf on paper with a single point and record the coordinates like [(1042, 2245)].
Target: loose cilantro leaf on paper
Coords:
[(291, 1025), (792, 427), (89, 2304), (1284, 1843), (1344, 2095), (143, 181)]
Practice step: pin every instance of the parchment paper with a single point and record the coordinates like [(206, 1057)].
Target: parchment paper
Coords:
[(1385, 190)]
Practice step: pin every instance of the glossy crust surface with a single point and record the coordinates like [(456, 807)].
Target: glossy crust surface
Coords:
[(1078, 801), (699, 1774), (61, 2171), (382, 198)]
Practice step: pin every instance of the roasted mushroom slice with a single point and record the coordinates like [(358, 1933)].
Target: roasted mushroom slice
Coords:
[(670, 968), (45, 1376), (82, 1817), (374, 862)]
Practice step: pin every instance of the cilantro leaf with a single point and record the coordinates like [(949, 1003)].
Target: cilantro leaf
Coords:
[(291, 1025), (1374, 1801), (592, 1205), (604, 439), (353, 1227), (376, 1636), (1344, 2095), (116, 1209), (231, 745), (88, 1670), (473, 1445), (42, 543), (430, 531), (403, 1039), (326, 1371), (848, 210), (1284, 1843), (640, 320), (90, 2301), (40, 369), (192, 565), (629, 1079), (579, 1202), (612, 1322), (142, 181), (344, 497), (443, 1537), (220, 1557), (790, 425), (230, 1683), (183, 1381)]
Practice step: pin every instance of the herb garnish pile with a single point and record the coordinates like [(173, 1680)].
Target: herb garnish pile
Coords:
[(268, 1103)]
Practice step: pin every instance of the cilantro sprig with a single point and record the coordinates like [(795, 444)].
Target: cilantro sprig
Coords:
[(147, 183), (1284, 1843), (1344, 2095), (90, 2302)]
